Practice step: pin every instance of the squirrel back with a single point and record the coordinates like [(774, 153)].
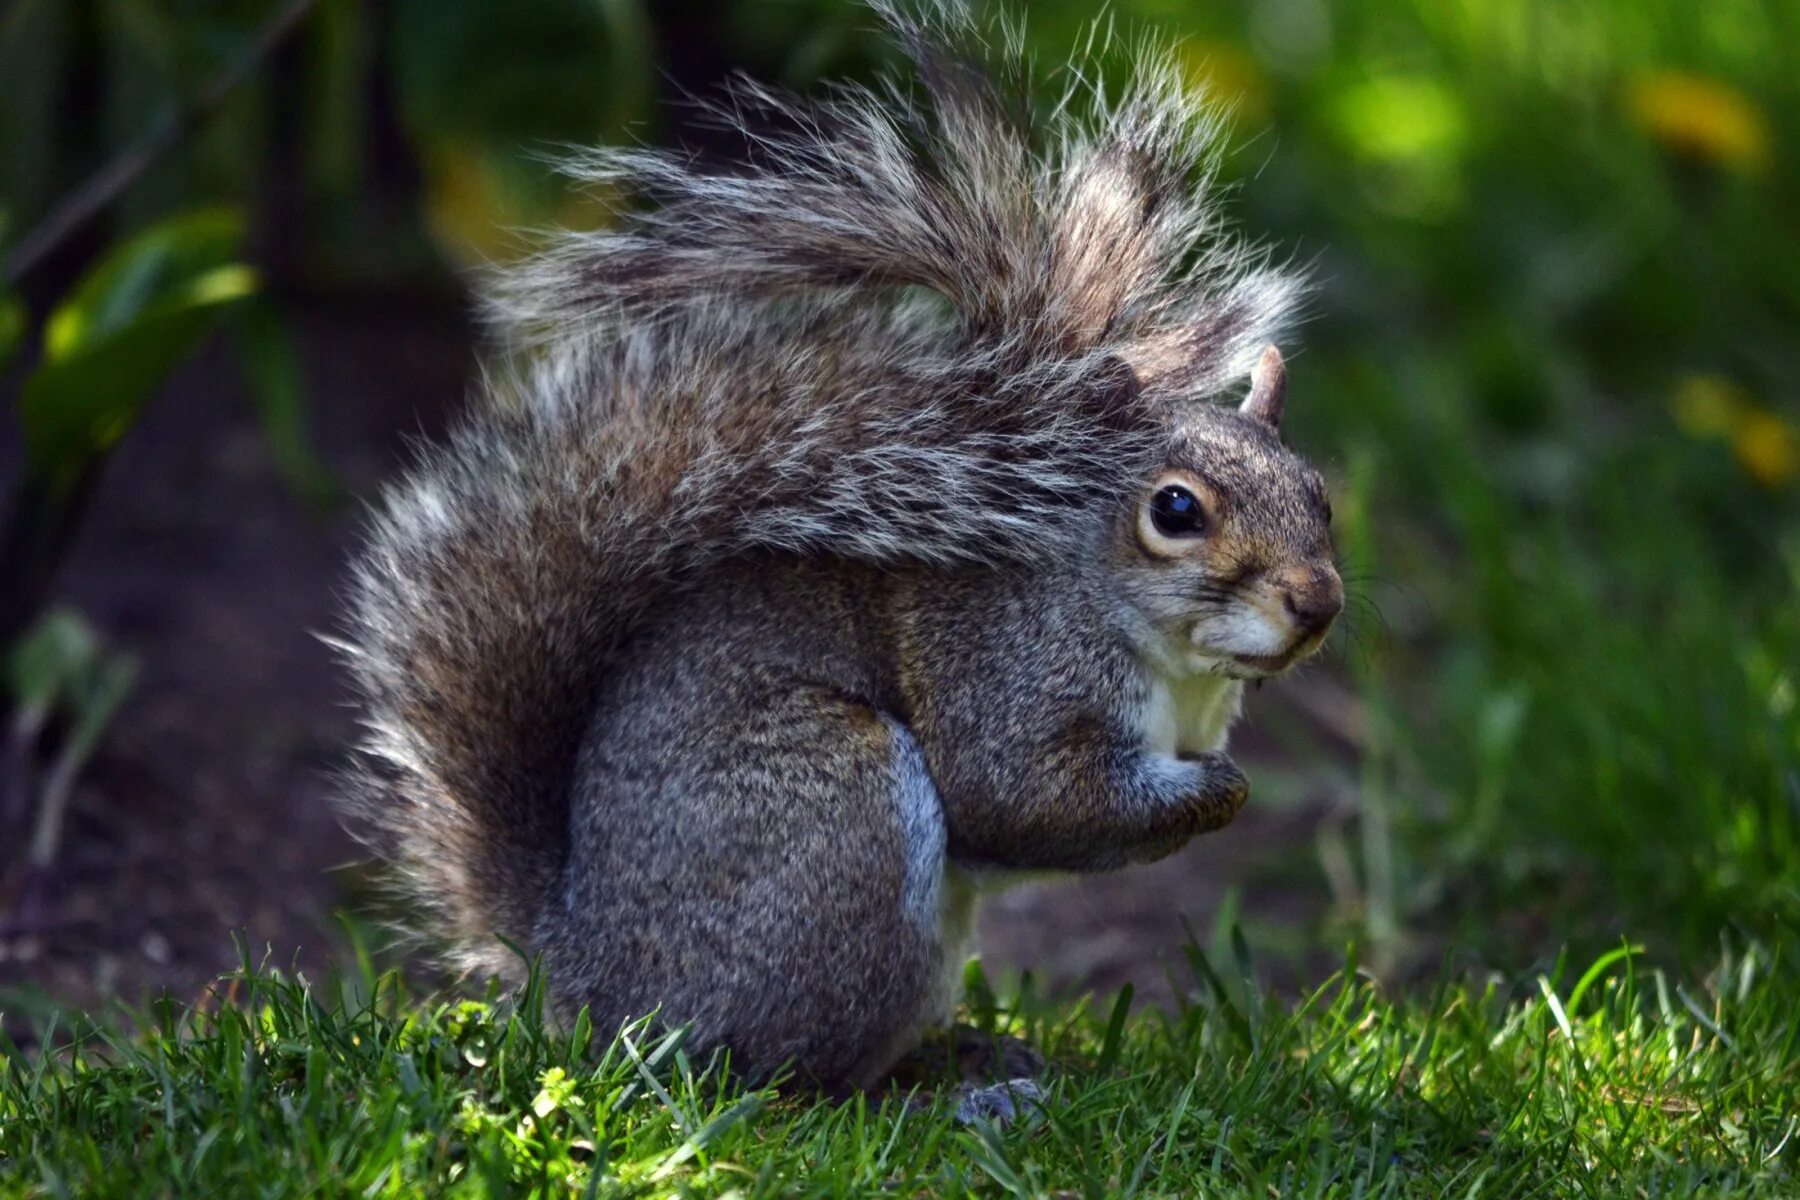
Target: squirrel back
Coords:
[(915, 328)]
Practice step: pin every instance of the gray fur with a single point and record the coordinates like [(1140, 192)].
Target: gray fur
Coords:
[(921, 813), (650, 648)]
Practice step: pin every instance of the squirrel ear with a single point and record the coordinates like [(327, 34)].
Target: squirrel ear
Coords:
[(1268, 389)]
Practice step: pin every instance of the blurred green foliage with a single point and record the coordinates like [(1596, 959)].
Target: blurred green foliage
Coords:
[(12, 328), (1553, 357), (127, 323), (1584, 699), (61, 670)]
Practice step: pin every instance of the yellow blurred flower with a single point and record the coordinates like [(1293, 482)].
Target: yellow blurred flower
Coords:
[(1768, 448), (1766, 445), (476, 210), (1229, 75), (1701, 117), (1708, 406), (466, 207)]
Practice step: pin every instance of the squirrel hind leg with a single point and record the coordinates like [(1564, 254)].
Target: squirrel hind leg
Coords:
[(777, 888)]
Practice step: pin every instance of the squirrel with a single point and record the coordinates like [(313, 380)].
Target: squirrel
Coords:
[(846, 532)]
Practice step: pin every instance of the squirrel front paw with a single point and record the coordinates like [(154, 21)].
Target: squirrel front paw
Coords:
[(1222, 792)]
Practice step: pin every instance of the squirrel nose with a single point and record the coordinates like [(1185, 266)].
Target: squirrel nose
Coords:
[(1315, 604)]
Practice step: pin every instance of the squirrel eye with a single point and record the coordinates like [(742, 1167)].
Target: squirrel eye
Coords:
[(1176, 513)]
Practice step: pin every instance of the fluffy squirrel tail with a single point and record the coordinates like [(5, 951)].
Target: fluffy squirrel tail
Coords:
[(748, 364)]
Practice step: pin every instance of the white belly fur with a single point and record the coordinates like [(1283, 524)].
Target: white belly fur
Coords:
[(1190, 714)]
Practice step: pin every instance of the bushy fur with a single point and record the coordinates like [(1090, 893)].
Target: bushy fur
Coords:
[(747, 366)]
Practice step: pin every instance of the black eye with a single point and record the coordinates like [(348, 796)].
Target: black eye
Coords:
[(1177, 513)]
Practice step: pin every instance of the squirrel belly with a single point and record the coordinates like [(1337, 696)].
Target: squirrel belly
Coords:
[(1189, 713)]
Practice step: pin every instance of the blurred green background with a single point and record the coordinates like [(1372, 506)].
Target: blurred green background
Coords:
[(1552, 365)]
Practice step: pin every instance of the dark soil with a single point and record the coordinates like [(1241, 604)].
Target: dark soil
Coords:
[(205, 816)]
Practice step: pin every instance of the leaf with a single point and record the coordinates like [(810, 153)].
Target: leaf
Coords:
[(338, 39), (63, 666), (1115, 1031), (128, 324), (156, 262), (1598, 971), (38, 42), (707, 1134), (12, 328), (62, 663), (93, 702), (60, 648), (271, 368), (552, 84)]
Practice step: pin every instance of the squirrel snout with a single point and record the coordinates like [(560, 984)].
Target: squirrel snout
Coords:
[(1313, 599)]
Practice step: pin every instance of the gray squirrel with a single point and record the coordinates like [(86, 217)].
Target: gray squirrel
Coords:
[(854, 529)]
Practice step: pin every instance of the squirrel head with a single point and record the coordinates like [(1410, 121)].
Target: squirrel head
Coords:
[(1226, 553)]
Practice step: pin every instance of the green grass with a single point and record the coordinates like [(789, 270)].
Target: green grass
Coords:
[(1615, 1080)]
